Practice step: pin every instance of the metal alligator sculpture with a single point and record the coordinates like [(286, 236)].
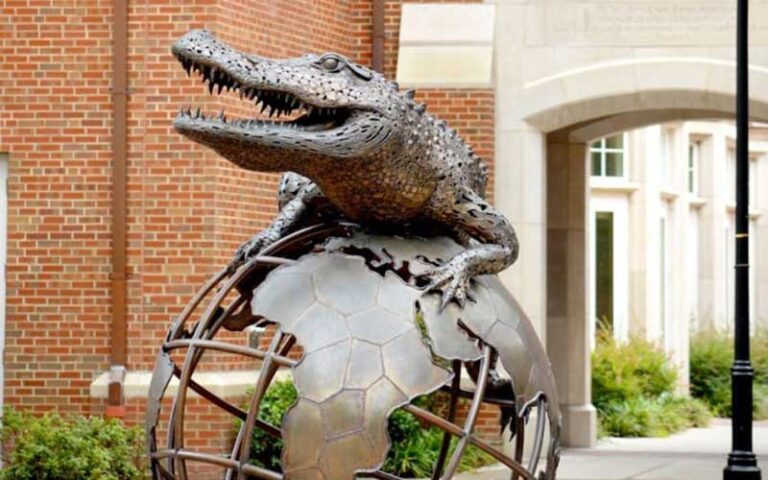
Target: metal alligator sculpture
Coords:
[(355, 147)]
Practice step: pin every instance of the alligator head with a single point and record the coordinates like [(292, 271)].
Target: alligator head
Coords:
[(320, 107)]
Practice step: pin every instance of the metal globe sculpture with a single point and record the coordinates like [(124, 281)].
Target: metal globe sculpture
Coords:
[(373, 340)]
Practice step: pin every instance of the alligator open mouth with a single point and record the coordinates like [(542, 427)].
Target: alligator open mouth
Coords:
[(279, 109)]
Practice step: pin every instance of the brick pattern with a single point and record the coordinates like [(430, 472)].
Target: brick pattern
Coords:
[(245, 201), (171, 199), (55, 125), (187, 209)]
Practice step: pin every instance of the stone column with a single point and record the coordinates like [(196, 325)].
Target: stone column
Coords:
[(520, 196), (567, 288), (713, 219)]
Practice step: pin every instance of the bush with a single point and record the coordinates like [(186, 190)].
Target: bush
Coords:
[(265, 449), (625, 371), (415, 449), (711, 360), (643, 417), (78, 448), (633, 391), (413, 452)]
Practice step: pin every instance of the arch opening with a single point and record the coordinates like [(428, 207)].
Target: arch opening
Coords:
[(569, 121)]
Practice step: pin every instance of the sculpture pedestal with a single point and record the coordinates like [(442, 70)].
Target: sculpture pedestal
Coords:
[(372, 341)]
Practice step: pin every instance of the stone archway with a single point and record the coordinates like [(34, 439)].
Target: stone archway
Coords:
[(562, 113)]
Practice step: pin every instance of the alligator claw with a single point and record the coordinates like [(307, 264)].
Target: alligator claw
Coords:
[(452, 282), (250, 249)]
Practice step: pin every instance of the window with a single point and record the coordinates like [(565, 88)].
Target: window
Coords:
[(604, 270), (694, 157), (607, 155)]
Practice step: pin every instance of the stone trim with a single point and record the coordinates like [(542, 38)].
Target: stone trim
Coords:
[(224, 384)]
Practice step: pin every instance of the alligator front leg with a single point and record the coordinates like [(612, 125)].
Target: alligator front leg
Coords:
[(472, 216), (293, 213)]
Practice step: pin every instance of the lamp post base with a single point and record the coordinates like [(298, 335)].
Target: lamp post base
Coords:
[(742, 466)]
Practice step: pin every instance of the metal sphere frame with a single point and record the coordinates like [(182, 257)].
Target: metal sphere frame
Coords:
[(170, 462)]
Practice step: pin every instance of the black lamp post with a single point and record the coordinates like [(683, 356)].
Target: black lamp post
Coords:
[(742, 462)]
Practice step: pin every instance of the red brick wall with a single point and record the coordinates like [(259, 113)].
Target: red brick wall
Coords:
[(245, 201), (55, 124), (170, 193), (226, 204), (187, 208)]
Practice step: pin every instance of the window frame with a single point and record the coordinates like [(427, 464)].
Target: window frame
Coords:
[(668, 143), (693, 167), (600, 146)]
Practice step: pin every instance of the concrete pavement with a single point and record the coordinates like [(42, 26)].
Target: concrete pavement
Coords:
[(696, 454)]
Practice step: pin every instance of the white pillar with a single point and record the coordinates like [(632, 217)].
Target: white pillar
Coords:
[(713, 178), (520, 196), (568, 342), (760, 243)]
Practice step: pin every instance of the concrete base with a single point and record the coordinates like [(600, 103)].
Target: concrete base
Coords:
[(579, 426)]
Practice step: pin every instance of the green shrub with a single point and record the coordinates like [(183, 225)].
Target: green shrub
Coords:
[(415, 449), (413, 452), (711, 358), (78, 448), (633, 391), (265, 449), (659, 417), (624, 371), (693, 411)]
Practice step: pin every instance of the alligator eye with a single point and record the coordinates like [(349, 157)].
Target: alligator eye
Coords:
[(331, 63)]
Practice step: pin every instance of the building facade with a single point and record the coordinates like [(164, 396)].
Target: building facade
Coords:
[(661, 272), (531, 84)]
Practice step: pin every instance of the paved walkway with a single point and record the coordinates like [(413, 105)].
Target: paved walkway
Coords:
[(697, 454)]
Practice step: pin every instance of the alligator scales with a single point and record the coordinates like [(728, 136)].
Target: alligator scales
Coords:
[(354, 147)]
